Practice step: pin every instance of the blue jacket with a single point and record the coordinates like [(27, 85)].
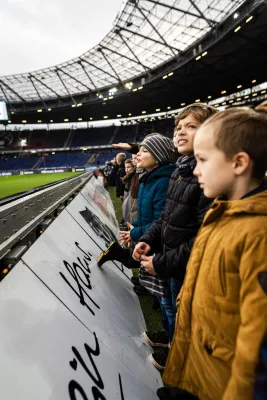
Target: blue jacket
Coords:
[(151, 198)]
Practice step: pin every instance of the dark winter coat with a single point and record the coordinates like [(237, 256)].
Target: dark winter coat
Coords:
[(151, 198), (119, 184), (172, 236)]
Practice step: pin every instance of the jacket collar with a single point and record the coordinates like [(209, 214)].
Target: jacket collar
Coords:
[(186, 165), (254, 204)]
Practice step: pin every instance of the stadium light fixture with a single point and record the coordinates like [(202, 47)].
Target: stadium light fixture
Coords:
[(224, 103), (140, 88), (128, 85), (204, 54), (135, 89), (197, 100), (169, 107), (53, 152), (24, 121), (238, 99), (254, 81), (165, 77), (105, 116), (239, 86), (198, 58), (91, 118), (66, 120), (39, 110), (263, 91), (12, 112), (110, 97), (51, 120), (223, 91), (9, 121), (231, 101), (238, 28), (236, 15), (79, 104), (39, 121), (80, 119), (143, 112), (249, 19), (182, 104), (209, 97), (112, 91), (73, 105), (130, 114), (216, 105), (255, 94), (119, 115), (170, 74), (246, 97), (49, 109), (158, 109)]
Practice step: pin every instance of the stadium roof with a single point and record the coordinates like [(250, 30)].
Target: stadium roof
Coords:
[(145, 35)]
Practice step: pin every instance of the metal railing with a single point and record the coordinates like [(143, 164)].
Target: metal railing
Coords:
[(22, 213)]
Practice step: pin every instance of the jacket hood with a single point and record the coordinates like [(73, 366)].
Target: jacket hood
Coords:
[(162, 171), (254, 205)]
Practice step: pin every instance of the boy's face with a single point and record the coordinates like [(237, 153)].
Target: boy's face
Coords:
[(185, 133), (128, 168), (214, 171)]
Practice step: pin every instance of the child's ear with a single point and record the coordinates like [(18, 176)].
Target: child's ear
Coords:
[(242, 162)]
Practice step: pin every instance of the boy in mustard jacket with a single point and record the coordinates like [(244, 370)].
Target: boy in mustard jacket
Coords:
[(222, 317)]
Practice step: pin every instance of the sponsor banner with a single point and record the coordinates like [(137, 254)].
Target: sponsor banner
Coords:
[(39, 171), (52, 171), (79, 169), (48, 353)]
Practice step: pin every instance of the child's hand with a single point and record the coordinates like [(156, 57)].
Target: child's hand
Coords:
[(147, 263), (140, 249)]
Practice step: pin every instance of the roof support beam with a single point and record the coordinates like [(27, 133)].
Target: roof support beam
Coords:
[(201, 14), (63, 83), (100, 69), (144, 37), (45, 85), (37, 91), (100, 49), (89, 77), (5, 95), (133, 53), (12, 90), (158, 3), (154, 28), (75, 79)]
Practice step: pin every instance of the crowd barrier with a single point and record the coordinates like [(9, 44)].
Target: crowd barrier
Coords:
[(69, 329)]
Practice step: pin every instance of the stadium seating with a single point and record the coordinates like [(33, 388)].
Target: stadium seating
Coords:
[(75, 159), (17, 163)]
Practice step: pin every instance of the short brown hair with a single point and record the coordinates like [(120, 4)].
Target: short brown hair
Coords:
[(128, 161), (242, 129), (120, 157), (200, 111)]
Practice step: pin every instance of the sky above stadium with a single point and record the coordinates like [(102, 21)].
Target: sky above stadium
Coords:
[(41, 33)]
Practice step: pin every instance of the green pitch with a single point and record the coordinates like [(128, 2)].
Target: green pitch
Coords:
[(19, 183)]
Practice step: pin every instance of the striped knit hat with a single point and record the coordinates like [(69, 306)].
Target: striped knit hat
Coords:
[(160, 147)]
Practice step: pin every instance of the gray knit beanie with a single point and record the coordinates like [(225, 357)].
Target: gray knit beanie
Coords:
[(160, 147)]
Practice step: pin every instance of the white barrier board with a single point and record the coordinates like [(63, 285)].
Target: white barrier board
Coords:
[(47, 354), (69, 329)]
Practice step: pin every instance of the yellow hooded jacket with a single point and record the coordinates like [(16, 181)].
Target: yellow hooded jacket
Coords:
[(222, 317)]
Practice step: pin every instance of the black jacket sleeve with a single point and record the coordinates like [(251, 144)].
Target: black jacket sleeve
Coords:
[(119, 184), (134, 149), (152, 235), (172, 264)]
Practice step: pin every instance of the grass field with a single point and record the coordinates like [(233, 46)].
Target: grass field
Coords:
[(19, 183)]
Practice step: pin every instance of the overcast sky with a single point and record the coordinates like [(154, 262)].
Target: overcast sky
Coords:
[(41, 33)]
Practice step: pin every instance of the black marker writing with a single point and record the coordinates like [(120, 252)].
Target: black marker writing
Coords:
[(93, 373), (81, 279)]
